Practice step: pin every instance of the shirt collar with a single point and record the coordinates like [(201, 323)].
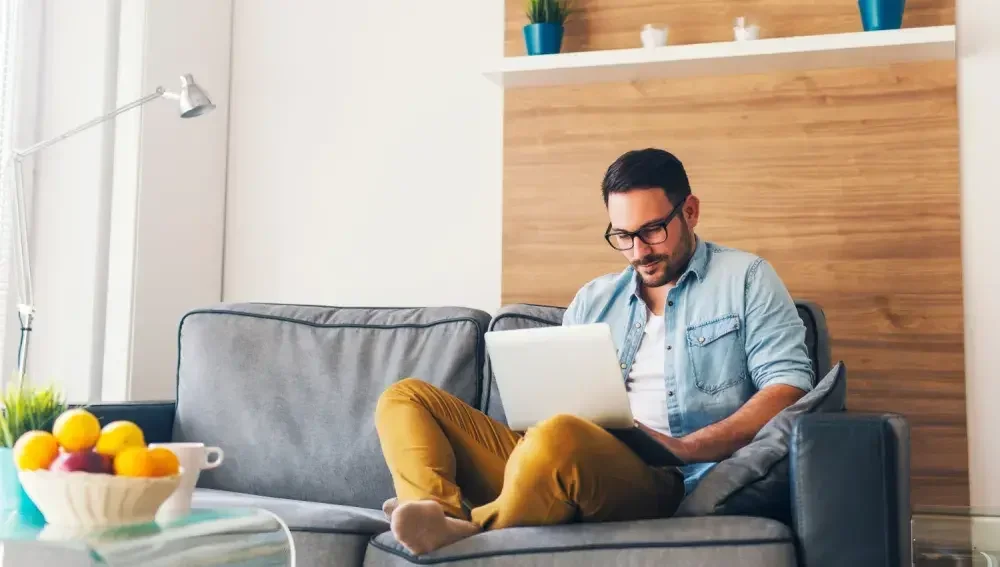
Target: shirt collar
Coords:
[(697, 266)]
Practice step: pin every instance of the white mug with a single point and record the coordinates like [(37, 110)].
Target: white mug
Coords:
[(654, 36), (194, 458)]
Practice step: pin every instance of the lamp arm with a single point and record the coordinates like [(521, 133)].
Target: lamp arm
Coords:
[(42, 145)]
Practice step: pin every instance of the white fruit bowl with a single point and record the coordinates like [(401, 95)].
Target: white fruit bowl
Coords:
[(90, 500)]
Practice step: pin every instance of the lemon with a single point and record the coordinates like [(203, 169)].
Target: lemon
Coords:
[(118, 436), (165, 461), (35, 450), (135, 461), (76, 430)]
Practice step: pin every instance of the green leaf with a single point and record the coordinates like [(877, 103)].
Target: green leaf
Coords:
[(548, 11), (26, 408)]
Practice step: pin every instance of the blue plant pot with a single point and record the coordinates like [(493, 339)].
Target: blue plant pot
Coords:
[(543, 39), (13, 498), (881, 14)]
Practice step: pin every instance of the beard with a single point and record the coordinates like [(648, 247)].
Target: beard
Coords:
[(671, 266)]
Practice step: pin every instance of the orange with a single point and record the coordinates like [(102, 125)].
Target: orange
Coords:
[(118, 436), (165, 461), (135, 461), (76, 430), (35, 450)]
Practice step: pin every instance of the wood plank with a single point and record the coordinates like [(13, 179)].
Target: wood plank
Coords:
[(846, 180)]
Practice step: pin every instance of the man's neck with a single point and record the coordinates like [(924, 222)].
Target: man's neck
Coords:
[(655, 297)]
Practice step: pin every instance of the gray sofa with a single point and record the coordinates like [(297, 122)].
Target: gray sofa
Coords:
[(289, 391)]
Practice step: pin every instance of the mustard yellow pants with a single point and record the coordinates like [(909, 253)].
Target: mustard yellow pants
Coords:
[(562, 470)]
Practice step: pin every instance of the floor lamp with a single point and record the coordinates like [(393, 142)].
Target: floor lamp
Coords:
[(192, 101)]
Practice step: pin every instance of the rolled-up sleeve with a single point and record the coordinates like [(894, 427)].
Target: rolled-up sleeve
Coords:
[(776, 336)]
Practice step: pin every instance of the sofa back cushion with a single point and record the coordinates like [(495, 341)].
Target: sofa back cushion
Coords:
[(289, 392)]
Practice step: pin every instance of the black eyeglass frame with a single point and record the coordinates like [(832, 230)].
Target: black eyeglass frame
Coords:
[(608, 234)]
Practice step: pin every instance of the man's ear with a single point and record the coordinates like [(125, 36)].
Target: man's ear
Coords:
[(692, 210)]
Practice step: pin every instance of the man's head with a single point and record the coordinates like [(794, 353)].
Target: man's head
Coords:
[(653, 214)]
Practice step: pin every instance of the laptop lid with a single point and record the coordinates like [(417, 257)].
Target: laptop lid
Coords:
[(546, 371)]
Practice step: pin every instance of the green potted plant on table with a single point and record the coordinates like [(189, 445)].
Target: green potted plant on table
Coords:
[(24, 408), (544, 33)]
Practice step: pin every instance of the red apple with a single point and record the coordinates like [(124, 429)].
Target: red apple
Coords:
[(86, 461)]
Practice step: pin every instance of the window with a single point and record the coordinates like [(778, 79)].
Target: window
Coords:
[(8, 41)]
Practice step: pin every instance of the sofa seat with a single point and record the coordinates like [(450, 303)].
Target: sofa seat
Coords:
[(324, 534), (679, 542)]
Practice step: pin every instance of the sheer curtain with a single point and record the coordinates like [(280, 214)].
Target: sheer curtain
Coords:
[(8, 67)]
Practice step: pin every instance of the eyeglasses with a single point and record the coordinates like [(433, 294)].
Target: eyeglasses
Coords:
[(652, 233)]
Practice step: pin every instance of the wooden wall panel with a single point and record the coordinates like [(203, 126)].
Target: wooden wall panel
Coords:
[(846, 180)]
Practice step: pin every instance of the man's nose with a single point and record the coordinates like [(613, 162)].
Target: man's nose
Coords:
[(640, 248)]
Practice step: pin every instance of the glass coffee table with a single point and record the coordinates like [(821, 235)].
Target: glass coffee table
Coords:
[(955, 536), (241, 537)]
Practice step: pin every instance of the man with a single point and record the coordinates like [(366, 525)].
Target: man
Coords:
[(711, 348)]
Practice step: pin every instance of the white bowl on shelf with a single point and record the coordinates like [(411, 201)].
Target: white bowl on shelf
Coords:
[(91, 500)]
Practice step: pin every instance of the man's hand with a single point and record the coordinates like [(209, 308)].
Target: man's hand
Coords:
[(721, 439), (677, 446)]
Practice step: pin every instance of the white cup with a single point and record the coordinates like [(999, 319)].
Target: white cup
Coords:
[(194, 458), (654, 36)]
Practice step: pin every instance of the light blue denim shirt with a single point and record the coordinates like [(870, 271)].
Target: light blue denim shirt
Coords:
[(732, 329)]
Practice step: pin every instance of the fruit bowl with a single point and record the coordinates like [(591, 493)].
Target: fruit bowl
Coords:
[(88, 500)]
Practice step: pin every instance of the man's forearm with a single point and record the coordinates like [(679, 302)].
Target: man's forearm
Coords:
[(720, 440)]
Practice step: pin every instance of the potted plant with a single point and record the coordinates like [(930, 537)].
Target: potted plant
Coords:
[(24, 408), (544, 33)]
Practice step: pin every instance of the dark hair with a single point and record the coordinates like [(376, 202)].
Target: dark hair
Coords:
[(646, 169)]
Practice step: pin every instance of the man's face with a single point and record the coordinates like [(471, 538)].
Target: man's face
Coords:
[(640, 210)]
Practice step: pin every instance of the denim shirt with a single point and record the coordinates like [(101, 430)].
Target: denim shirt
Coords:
[(732, 329)]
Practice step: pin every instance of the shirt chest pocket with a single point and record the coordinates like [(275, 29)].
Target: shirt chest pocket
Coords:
[(716, 352)]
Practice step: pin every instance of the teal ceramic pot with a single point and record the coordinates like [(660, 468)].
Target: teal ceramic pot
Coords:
[(12, 495), (543, 39), (877, 15)]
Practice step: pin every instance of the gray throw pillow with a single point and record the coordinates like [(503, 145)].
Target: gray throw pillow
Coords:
[(754, 480)]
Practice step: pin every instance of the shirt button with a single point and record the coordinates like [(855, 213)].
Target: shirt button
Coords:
[(701, 339), (669, 347), (670, 304), (638, 325), (670, 393), (623, 365)]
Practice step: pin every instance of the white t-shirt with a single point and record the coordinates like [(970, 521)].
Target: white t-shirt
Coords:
[(647, 392)]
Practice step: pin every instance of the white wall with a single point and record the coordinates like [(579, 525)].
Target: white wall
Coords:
[(979, 131), (365, 154)]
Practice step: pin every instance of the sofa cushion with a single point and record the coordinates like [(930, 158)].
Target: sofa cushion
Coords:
[(755, 480), (324, 534), (289, 392), (509, 317), (675, 541)]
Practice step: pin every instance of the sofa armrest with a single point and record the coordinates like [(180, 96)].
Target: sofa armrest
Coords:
[(850, 489), (155, 418)]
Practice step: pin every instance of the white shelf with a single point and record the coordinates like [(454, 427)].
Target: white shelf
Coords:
[(856, 49)]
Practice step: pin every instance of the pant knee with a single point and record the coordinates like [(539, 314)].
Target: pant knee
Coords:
[(555, 441), (405, 391), (562, 430)]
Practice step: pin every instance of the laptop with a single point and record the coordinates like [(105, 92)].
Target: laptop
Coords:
[(574, 369)]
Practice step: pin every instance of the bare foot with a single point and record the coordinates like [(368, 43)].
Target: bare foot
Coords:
[(422, 527), (389, 506)]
